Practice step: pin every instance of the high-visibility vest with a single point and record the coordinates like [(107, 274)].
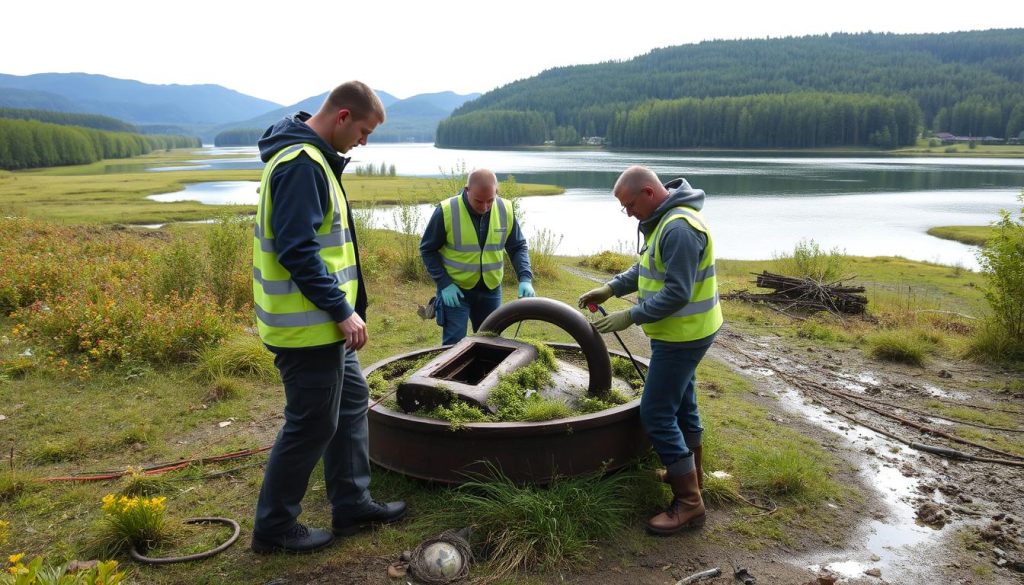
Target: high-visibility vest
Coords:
[(464, 260), (702, 315), (284, 316)]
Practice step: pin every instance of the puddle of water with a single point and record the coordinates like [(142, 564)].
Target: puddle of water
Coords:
[(854, 387), (897, 540), (156, 226), (761, 371), (868, 378), (214, 193), (940, 393)]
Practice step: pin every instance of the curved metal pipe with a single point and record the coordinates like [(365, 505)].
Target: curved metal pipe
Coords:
[(571, 321)]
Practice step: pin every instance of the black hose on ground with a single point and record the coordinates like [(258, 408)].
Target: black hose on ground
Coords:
[(236, 530)]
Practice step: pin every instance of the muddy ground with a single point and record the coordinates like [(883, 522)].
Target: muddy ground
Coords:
[(923, 519)]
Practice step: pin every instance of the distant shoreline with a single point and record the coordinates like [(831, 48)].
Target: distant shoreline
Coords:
[(1009, 151)]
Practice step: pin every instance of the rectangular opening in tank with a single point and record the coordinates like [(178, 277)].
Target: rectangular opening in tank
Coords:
[(474, 364)]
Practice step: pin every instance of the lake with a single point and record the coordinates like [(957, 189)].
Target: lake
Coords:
[(757, 205)]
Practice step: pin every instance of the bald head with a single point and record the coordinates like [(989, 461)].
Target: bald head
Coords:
[(481, 190), (635, 178), (639, 191), (482, 177)]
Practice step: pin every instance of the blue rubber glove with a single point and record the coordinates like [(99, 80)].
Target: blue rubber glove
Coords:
[(612, 322), (451, 295), (526, 289)]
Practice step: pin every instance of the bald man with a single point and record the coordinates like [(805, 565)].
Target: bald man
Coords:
[(464, 247), (680, 312)]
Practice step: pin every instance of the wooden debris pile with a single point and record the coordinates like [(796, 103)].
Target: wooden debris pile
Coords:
[(805, 294)]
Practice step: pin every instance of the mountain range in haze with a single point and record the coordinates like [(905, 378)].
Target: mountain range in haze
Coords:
[(207, 109)]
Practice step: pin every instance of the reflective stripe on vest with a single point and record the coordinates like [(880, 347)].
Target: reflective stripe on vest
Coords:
[(702, 315), (464, 259), (284, 316)]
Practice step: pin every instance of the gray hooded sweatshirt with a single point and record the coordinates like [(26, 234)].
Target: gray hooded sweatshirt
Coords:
[(682, 248)]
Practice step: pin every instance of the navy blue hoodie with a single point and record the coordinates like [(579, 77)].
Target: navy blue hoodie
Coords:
[(300, 195), (682, 247), (435, 237)]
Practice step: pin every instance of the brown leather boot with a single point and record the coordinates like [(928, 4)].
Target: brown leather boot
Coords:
[(686, 509), (662, 474)]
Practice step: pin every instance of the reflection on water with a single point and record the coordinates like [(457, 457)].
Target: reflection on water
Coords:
[(758, 227), (758, 205), (214, 193)]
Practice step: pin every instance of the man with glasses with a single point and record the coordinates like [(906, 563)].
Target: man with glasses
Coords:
[(464, 247), (678, 309)]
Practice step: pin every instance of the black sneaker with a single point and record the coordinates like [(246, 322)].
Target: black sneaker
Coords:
[(374, 513), (298, 539)]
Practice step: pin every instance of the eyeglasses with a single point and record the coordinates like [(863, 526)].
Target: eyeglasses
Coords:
[(625, 209)]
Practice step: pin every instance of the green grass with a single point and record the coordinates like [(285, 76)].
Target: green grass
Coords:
[(973, 235), (529, 527), (241, 355), (138, 414), (608, 261), (937, 308), (897, 346), (169, 407), (85, 194)]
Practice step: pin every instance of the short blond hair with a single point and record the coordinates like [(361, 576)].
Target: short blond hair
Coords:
[(358, 98)]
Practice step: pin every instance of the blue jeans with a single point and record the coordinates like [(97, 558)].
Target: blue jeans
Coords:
[(475, 306), (325, 417), (668, 407)]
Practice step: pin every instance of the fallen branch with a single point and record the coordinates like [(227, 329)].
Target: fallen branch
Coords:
[(806, 294)]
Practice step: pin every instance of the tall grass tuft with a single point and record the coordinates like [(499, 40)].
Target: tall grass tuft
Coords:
[(542, 254), (409, 223), (526, 527), (808, 260), (241, 355), (785, 469), (901, 346), (137, 483), (134, 521)]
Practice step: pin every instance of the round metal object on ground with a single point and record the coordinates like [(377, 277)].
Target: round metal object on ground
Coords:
[(527, 452)]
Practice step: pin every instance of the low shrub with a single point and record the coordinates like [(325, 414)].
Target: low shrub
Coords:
[(608, 261)]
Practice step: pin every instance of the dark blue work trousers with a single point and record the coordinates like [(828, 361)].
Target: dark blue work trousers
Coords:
[(325, 417), (668, 407)]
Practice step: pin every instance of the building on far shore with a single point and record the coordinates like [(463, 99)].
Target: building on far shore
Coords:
[(948, 138)]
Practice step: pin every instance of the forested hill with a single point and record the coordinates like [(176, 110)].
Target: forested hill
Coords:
[(969, 83)]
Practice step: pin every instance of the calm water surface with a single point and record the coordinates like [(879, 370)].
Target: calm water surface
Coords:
[(757, 205)]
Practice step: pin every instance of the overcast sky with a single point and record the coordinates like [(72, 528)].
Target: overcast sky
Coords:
[(287, 51)]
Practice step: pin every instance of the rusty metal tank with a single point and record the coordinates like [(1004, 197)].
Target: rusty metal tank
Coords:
[(525, 452)]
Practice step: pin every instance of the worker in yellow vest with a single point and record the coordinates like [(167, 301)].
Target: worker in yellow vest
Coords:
[(463, 249), (679, 310), (310, 302)]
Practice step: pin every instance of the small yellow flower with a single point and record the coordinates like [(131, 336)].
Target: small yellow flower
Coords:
[(13, 559)]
